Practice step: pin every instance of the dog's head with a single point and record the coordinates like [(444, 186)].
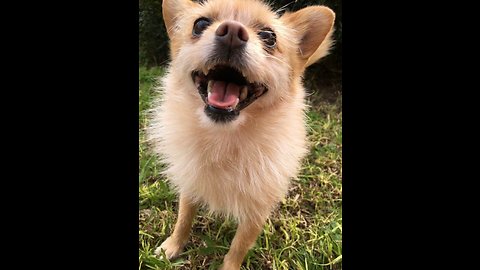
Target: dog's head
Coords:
[(239, 55)]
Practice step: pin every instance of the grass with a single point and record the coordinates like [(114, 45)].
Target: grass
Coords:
[(304, 233)]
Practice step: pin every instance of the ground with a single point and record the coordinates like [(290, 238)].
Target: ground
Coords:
[(305, 232)]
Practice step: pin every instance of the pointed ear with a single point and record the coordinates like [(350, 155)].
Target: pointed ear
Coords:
[(314, 26), (171, 10)]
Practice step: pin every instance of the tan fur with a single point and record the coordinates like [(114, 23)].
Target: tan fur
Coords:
[(175, 243), (241, 169)]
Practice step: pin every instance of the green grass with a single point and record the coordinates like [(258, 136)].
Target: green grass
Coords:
[(304, 233)]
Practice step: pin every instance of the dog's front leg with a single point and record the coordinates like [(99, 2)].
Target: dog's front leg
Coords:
[(177, 240), (247, 233)]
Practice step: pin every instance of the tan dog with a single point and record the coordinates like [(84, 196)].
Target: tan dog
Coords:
[(230, 125)]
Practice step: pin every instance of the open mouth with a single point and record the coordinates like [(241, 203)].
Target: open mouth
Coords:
[(226, 92)]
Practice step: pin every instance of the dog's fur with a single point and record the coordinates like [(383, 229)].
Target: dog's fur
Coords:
[(242, 167)]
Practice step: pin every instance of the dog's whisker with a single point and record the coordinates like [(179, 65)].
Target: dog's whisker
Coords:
[(279, 60)]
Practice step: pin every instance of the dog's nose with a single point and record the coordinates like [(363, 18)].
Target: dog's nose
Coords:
[(232, 34)]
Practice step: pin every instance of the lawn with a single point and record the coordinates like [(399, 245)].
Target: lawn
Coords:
[(305, 232)]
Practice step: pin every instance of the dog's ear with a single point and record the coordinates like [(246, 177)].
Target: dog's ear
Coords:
[(314, 28), (172, 10)]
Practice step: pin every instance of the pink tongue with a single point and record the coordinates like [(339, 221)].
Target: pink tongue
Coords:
[(223, 95)]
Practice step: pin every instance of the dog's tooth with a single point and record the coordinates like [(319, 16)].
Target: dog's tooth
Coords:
[(208, 95), (236, 103), (243, 92), (205, 70), (209, 87), (198, 81)]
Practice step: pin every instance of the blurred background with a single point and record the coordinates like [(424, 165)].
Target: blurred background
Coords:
[(322, 79)]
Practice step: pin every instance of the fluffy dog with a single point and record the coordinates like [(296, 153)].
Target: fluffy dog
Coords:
[(230, 125)]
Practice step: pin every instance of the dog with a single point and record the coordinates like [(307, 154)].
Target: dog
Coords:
[(230, 122)]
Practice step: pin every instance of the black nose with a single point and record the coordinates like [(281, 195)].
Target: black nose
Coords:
[(232, 34)]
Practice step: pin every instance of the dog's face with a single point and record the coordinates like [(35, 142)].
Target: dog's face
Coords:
[(239, 56)]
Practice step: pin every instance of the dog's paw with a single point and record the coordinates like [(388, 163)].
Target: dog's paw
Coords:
[(171, 247), (229, 266)]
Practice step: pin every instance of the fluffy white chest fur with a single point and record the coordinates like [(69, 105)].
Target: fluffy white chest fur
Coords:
[(240, 169)]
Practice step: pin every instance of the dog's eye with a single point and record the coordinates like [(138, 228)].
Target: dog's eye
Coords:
[(268, 37), (200, 25)]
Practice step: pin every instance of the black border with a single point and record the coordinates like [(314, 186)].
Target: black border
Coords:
[(73, 182), (405, 184)]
